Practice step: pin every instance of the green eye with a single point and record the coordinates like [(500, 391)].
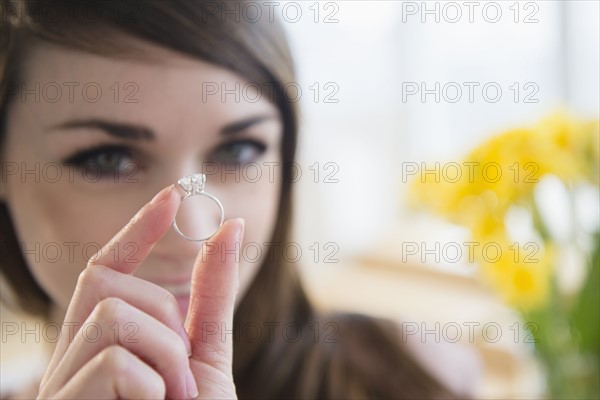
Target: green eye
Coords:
[(239, 152), (107, 160)]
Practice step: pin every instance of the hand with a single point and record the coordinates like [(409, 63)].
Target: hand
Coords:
[(162, 360)]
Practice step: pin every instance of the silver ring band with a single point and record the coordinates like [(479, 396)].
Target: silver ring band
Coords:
[(193, 185)]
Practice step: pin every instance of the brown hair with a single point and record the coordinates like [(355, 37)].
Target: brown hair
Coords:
[(363, 359)]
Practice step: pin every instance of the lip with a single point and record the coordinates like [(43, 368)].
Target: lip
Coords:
[(181, 292), (178, 290), (176, 261), (172, 281), (184, 302), (178, 286)]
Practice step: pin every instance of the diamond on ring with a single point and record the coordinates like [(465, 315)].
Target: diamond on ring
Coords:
[(193, 184)]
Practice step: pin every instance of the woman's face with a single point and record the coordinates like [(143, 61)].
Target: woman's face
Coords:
[(127, 129)]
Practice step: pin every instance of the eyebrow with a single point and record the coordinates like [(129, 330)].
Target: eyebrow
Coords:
[(140, 132), (239, 126), (116, 129)]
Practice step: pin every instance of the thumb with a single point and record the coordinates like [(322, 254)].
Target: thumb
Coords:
[(214, 287)]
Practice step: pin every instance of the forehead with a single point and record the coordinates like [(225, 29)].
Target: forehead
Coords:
[(164, 89)]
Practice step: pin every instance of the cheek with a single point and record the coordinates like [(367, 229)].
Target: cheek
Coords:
[(43, 224), (258, 204), (59, 230)]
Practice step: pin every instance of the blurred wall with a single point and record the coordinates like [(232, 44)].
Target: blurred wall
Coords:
[(359, 65)]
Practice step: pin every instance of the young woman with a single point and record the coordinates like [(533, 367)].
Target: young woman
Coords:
[(104, 106)]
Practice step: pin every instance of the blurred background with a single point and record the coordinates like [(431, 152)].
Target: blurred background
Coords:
[(372, 110), (370, 131)]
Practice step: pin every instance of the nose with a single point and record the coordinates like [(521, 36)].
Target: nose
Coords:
[(198, 217)]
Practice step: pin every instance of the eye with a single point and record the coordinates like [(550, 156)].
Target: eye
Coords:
[(239, 152), (107, 161)]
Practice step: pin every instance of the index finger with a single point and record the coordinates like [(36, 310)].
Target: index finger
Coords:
[(148, 225), (130, 246)]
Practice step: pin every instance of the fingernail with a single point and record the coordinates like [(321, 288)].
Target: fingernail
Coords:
[(162, 195), (190, 384), (186, 340)]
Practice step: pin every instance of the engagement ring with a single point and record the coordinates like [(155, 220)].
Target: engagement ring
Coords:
[(193, 185)]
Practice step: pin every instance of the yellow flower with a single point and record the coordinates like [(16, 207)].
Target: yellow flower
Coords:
[(520, 273), (590, 147), (437, 195), (482, 214), (566, 146), (509, 166), (503, 171)]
